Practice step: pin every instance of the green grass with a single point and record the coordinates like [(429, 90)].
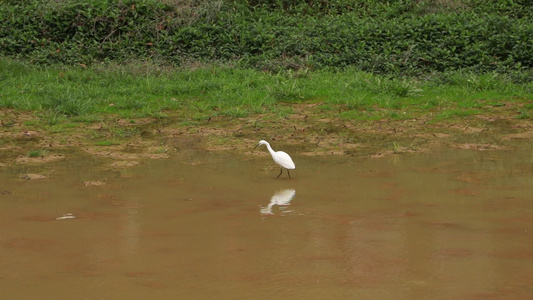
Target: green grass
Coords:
[(106, 143), (74, 94), (37, 153)]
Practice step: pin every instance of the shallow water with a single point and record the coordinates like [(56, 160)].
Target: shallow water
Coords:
[(450, 224)]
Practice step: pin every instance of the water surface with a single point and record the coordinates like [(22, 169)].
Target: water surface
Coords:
[(449, 224)]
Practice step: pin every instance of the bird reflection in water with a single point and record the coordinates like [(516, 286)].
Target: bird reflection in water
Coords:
[(281, 198)]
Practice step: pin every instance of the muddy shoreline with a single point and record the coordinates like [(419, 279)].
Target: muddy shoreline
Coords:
[(305, 132)]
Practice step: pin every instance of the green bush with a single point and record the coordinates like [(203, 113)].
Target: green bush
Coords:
[(398, 37)]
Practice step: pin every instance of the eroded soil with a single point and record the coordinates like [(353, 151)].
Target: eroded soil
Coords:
[(307, 131)]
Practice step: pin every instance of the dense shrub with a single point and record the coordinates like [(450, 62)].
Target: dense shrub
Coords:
[(400, 36)]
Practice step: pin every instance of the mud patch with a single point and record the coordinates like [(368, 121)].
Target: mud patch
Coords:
[(480, 147), (39, 160), (32, 176), (124, 164), (308, 131), (94, 183)]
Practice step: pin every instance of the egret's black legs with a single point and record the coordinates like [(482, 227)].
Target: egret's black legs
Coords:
[(281, 171)]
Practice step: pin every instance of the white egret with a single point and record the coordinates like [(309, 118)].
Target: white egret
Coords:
[(281, 158)]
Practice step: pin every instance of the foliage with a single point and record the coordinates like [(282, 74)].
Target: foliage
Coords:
[(386, 37)]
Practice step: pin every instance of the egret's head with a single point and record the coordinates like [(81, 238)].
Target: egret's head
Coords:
[(261, 142)]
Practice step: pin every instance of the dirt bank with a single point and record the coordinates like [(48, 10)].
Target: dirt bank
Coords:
[(308, 131)]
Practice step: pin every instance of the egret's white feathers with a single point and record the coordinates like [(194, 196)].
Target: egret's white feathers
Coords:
[(283, 159)]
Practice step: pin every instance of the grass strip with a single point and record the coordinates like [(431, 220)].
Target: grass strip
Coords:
[(137, 90)]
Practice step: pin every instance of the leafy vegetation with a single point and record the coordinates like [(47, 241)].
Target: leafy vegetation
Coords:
[(385, 37)]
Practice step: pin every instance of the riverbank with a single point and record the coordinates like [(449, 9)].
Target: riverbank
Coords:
[(134, 112), (308, 130)]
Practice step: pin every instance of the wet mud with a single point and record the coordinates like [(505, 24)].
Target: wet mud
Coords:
[(308, 131)]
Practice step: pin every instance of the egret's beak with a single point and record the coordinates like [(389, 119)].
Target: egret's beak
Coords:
[(255, 147)]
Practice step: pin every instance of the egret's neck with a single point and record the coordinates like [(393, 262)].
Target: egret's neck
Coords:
[(270, 149)]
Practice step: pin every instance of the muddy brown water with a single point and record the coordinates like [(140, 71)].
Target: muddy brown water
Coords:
[(446, 224)]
